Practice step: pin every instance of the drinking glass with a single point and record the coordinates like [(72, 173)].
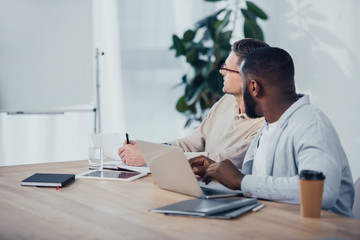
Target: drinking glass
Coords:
[(95, 159)]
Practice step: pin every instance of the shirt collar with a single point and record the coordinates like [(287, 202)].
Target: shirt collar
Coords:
[(245, 116), (242, 115), (303, 100)]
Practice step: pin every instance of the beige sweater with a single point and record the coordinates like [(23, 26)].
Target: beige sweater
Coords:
[(224, 134)]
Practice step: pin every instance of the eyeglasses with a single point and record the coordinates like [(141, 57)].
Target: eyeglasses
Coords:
[(224, 69)]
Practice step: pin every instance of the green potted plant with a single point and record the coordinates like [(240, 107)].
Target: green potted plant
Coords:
[(205, 47)]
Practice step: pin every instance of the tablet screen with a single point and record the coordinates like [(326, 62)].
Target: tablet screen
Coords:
[(112, 175)]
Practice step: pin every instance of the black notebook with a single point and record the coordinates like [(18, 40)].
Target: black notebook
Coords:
[(48, 180), (216, 208)]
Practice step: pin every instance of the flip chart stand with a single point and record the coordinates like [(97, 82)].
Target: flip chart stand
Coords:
[(97, 121)]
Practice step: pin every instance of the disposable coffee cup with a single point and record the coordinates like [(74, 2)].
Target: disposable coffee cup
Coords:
[(311, 190)]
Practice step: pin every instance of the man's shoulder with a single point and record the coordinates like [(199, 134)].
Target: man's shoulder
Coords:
[(253, 124), (309, 119), (309, 113), (302, 112), (226, 100)]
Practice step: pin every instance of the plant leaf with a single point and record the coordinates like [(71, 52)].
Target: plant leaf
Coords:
[(199, 47), (256, 10), (252, 30), (211, 26), (189, 36), (191, 56), (222, 54), (184, 79), (188, 122), (181, 105), (206, 35), (210, 52), (194, 92), (224, 22), (224, 40), (203, 21), (248, 15), (214, 83), (198, 65), (178, 45)]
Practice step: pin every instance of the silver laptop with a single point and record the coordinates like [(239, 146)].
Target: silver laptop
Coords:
[(172, 171)]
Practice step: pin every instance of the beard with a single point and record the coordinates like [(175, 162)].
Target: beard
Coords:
[(250, 104)]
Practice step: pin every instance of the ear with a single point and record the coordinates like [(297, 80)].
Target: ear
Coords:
[(255, 88)]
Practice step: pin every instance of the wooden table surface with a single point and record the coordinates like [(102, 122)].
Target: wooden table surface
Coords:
[(98, 209)]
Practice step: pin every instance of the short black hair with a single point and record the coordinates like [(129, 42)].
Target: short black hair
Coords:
[(270, 64), (246, 45)]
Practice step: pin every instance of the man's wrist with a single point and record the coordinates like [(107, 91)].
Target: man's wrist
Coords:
[(240, 179)]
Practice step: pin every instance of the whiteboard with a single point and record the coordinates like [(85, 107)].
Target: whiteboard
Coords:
[(47, 56)]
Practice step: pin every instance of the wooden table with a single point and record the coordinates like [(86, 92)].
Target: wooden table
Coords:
[(94, 209)]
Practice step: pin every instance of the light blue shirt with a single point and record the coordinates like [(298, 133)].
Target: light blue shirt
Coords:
[(304, 139)]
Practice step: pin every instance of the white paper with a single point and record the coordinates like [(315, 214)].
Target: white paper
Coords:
[(110, 143)]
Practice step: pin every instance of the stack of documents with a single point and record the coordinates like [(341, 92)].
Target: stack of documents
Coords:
[(224, 208)]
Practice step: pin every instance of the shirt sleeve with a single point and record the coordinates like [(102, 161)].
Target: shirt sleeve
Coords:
[(281, 189), (235, 153), (310, 150)]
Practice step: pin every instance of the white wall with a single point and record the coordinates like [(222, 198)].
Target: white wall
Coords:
[(322, 36), (149, 69), (137, 74)]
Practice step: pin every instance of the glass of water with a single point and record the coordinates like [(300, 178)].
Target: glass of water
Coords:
[(95, 158)]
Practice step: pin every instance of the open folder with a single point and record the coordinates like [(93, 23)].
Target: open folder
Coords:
[(221, 208)]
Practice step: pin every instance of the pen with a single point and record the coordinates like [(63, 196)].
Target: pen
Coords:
[(255, 209), (127, 139)]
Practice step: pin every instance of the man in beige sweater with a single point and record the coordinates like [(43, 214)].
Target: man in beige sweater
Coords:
[(227, 132)]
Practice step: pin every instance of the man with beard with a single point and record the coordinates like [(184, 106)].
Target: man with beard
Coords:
[(295, 136), (227, 132)]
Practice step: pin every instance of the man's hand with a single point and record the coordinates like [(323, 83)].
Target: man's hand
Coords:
[(131, 154), (200, 164), (226, 173)]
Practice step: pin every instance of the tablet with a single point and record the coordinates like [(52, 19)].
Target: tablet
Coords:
[(111, 175)]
